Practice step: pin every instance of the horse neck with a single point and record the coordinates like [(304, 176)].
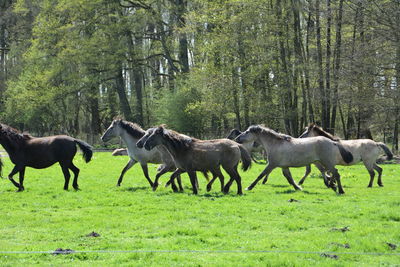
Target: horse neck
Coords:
[(171, 149), (128, 139), (9, 147), (266, 140)]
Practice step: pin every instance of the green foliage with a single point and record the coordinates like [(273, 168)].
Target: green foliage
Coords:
[(181, 109), (133, 217)]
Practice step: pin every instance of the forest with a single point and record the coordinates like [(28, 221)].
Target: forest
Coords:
[(202, 67)]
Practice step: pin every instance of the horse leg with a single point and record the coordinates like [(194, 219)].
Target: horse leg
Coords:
[(379, 170), (370, 167), (215, 176), (175, 174), (163, 170), (75, 170), (178, 177), (130, 163), (16, 169), (67, 175), (372, 176), (308, 171), (265, 173), (336, 175), (193, 180), (146, 174), (327, 180), (21, 179), (289, 178)]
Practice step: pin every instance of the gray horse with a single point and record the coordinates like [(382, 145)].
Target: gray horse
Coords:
[(285, 151), (191, 155), (365, 150), (130, 134)]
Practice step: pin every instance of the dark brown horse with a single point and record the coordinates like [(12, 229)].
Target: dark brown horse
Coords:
[(42, 152), (191, 155)]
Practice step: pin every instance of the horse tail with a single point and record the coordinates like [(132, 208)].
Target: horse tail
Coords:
[(86, 150), (1, 168), (246, 158), (389, 153), (346, 155)]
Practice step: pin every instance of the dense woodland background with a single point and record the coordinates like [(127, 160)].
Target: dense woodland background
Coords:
[(201, 66)]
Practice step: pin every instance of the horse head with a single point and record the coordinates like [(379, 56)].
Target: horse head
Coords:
[(233, 134), (155, 138), (113, 130), (142, 141)]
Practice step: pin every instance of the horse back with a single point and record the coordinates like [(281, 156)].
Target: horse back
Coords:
[(43, 152), (209, 154)]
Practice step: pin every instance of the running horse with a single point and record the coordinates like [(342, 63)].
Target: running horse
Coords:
[(191, 155), (365, 150), (25, 150), (285, 151)]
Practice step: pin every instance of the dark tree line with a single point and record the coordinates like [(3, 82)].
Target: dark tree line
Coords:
[(202, 67)]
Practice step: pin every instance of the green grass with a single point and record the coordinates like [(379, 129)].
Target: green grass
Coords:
[(132, 217)]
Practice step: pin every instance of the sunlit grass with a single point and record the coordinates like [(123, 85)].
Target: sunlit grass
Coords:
[(133, 217)]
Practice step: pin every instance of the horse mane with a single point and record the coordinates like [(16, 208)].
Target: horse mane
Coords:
[(132, 128), (233, 133), (321, 132), (270, 132), (178, 141), (15, 136)]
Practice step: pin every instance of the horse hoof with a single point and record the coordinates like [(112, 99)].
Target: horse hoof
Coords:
[(381, 185), (118, 185), (248, 188), (20, 189)]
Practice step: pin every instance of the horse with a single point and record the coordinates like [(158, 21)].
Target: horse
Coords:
[(25, 150), (130, 134), (285, 151), (365, 150), (120, 152), (252, 147), (191, 155)]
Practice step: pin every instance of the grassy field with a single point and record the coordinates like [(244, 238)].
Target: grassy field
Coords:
[(132, 217)]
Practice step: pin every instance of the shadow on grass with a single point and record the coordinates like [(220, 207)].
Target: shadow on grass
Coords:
[(277, 185), (213, 195), (135, 189)]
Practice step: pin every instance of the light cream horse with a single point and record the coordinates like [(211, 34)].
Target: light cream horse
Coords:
[(365, 150), (285, 151)]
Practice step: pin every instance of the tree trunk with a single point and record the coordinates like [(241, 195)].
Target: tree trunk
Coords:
[(306, 70), (242, 79), (337, 55), (95, 114), (328, 66), (324, 105), (123, 100), (181, 6)]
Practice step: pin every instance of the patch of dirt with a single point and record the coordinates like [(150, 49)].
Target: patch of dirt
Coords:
[(93, 234), (391, 245), (331, 256), (340, 245), (343, 229), (63, 251)]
